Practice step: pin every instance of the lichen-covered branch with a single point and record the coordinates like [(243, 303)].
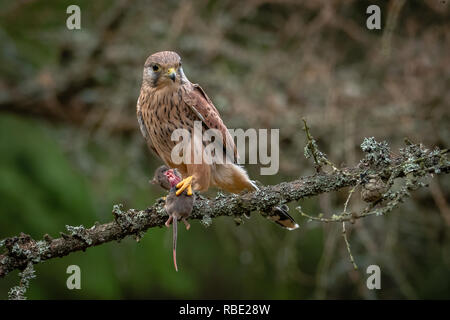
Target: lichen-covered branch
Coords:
[(413, 162), (377, 187), (18, 292)]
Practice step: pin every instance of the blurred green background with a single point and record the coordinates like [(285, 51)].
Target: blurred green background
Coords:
[(70, 147)]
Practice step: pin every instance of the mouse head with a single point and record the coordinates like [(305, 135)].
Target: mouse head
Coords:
[(166, 177), (173, 176)]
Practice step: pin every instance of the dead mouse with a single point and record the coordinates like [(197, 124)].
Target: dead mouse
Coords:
[(177, 207)]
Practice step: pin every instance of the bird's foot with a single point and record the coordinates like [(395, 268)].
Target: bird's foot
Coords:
[(183, 185), (169, 221), (187, 224)]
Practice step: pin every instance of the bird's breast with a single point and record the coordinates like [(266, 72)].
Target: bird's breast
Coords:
[(166, 112)]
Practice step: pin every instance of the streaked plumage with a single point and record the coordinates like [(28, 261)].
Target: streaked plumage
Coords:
[(168, 101)]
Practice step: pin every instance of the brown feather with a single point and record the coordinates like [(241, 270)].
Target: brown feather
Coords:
[(166, 104), (203, 107)]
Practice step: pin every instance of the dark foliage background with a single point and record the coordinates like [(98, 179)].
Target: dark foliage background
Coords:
[(70, 146)]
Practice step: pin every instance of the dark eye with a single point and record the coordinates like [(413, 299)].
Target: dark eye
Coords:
[(155, 68)]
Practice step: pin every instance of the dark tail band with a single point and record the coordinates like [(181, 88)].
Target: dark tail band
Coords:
[(283, 218)]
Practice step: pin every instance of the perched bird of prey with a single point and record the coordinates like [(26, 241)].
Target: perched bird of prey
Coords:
[(177, 207), (169, 101)]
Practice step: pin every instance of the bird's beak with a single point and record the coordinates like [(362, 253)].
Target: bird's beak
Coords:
[(172, 74)]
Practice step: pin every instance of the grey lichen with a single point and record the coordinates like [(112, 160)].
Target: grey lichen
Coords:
[(18, 292), (122, 218), (377, 153), (43, 250), (410, 166), (140, 218), (206, 221), (4, 260), (117, 210), (18, 251), (312, 151), (161, 211), (80, 232), (24, 247), (219, 195), (416, 155), (417, 151)]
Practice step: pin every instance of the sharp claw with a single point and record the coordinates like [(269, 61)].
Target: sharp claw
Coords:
[(183, 185)]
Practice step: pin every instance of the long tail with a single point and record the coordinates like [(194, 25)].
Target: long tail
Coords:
[(281, 217), (233, 178), (175, 227)]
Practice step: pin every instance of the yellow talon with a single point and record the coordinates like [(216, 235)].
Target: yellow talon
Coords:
[(183, 185)]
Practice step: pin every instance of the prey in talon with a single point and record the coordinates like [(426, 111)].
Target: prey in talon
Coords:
[(178, 206)]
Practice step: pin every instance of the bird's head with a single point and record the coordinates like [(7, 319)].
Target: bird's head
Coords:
[(163, 69)]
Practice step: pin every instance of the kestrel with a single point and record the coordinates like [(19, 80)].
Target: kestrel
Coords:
[(169, 101)]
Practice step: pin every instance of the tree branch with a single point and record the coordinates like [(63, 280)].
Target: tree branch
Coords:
[(413, 161)]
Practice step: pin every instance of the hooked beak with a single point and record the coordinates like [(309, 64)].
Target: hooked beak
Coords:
[(172, 74)]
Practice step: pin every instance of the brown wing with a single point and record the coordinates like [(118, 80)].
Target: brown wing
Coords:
[(203, 107)]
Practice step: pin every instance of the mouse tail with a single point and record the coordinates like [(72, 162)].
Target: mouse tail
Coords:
[(175, 227)]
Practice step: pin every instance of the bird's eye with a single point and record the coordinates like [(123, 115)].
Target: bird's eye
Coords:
[(155, 68)]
